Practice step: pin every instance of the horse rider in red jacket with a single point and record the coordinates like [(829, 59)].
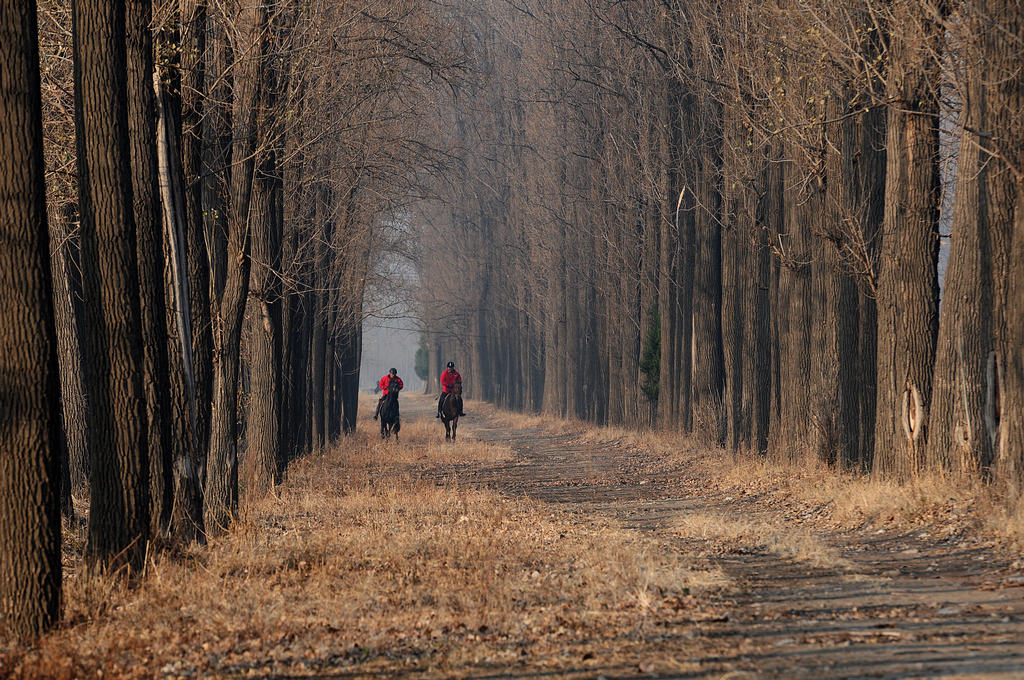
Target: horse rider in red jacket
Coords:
[(448, 380), (385, 384)]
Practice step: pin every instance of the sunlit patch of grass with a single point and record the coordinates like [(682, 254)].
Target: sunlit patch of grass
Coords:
[(851, 500), (759, 535), (530, 421)]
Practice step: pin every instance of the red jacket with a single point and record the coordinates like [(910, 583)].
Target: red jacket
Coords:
[(385, 383), (449, 378)]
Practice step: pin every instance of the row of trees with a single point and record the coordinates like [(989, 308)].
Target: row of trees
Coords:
[(725, 218), (192, 194)]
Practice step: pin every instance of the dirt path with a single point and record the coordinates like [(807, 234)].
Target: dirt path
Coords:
[(892, 605)]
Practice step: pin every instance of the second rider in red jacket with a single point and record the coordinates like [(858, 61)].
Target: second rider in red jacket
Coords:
[(448, 380)]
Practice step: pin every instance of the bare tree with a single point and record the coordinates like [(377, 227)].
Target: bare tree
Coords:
[(30, 566), (112, 343), (908, 291)]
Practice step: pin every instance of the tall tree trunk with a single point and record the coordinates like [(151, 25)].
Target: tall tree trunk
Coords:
[(522, 372), (907, 278), (300, 375), (263, 422), (319, 320), (433, 358), (614, 320), (30, 562), (1008, 422), (958, 440), (596, 385), (736, 229), (685, 214), (222, 464), (870, 170), (971, 372), (796, 316), (708, 366), (289, 332), (317, 370), (186, 519), (351, 356), (553, 396), (186, 522), (759, 312), (142, 135), (291, 301), (775, 221), (67, 288), (193, 84), (668, 256), (332, 385), (112, 347), (1004, 404), (836, 403), (733, 326)]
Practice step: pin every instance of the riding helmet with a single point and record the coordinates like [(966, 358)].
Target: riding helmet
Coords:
[(393, 370), (451, 364)]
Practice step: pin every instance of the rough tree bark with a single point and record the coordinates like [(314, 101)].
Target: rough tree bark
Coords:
[(908, 289), (67, 289), (668, 266), (759, 376), (1004, 405), (736, 230), (112, 342), (836, 415), (958, 440), (148, 222), (318, 315), (186, 518), (221, 499), (263, 422), (30, 562), (708, 361), (797, 277), (1010, 432), (870, 170), (685, 213), (193, 78)]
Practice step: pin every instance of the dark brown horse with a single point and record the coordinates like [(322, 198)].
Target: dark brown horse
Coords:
[(450, 410), (390, 421)]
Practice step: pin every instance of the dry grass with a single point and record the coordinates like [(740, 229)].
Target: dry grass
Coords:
[(730, 534), (360, 563), (652, 441), (530, 421), (850, 500)]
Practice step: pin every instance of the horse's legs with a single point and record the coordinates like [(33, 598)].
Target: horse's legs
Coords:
[(455, 427), (447, 429)]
